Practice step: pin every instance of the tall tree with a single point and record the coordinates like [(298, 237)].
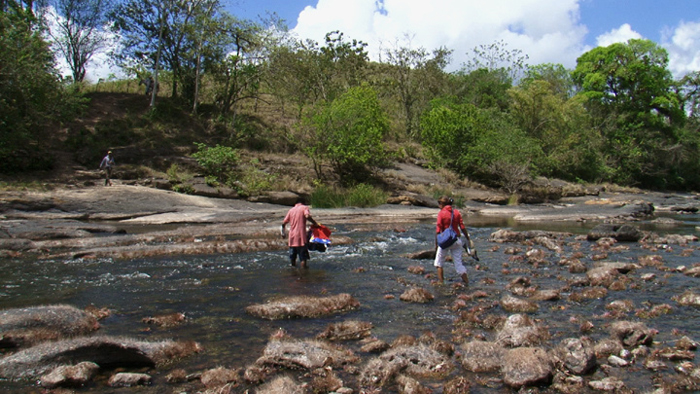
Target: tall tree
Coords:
[(415, 77), (629, 91), (153, 28), (31, 95), (78, 31)]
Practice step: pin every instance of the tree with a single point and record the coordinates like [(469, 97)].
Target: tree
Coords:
[(79, 32), (151, 29), (481, 144), (349, 133), (306, 73), (32, 97), (415, 77), (629, 90)]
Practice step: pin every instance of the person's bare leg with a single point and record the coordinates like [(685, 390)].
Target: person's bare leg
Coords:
[(441, 276), (465, 279), (303, 264)]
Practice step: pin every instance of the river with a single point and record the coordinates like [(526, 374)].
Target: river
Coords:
[(212, 292)]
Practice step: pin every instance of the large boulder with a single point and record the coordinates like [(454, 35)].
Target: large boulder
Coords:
[(303, 306), (104, 351), (304, 354), (577, 355), (21, 327), (527, 366), (519, 330), (417, 360), (620, 232), (481, 356), (632, 334)]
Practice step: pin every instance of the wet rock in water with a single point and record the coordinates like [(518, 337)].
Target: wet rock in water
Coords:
[(422, 255), (688, 298), (458, 385), (548, 243), (519, 330), (620, 232), (607, 384), (347, 330), (685, 343), (602, 276), (129, 379), (408, 385), (374, 345), (22, 327), (517, 305), (527, 366), (694, 272), (545, 295), (632, 334), (415, 361), (70, 375), (218, 377), (670, 239), (166, 321), (481, 356), (417, 295), (416, 269), (577, 355), (303, 306), (306, 354), (104, 351), (509, 236), (606, 347)]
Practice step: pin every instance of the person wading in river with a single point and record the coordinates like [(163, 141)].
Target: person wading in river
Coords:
[(445, 216), (298, 236)]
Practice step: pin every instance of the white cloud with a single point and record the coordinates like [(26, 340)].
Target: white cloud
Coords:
[(622, 34), (683, 46), (549, 31)]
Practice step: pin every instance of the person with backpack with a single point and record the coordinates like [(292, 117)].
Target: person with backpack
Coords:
[(448, 217)]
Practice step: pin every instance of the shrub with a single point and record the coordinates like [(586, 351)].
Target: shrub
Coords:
[(361, 196), (218, 161)]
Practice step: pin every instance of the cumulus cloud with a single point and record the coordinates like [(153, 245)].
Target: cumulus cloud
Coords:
[(622, 34), (683, 46), (548, 31)]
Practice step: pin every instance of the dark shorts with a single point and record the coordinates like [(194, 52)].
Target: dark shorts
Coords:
[(301, 251)]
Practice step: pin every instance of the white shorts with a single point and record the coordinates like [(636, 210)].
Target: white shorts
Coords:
[(456, 251)]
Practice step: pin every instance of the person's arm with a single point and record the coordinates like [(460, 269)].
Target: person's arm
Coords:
[(282, 230), (311, 219)]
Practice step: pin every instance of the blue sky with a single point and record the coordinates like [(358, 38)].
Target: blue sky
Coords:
[(556, 31)]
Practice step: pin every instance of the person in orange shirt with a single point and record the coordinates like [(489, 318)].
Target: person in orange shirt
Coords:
[(298, 235), (443, 221)]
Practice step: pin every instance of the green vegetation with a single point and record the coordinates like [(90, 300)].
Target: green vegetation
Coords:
[(360, 196), (228, 87)]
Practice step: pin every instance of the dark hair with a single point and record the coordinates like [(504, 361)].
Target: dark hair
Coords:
[(444, 200)]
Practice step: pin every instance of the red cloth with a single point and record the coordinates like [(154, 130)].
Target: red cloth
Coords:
[(296, 217), (443, 220), (321, 232)]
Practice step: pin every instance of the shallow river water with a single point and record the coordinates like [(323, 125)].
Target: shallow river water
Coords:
[(212, 292)]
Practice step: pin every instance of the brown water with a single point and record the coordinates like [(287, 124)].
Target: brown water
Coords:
[(212, 292)]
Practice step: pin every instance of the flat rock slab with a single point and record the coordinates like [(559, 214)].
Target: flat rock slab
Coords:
[(303, 307)]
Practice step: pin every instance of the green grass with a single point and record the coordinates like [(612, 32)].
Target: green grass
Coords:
[(361, 196)]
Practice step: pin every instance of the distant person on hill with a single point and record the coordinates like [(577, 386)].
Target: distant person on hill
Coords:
[(106, 165), (446, 217), (298, 236)]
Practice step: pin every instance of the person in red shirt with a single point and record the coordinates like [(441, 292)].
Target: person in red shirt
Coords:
[(298, 236), (443, 221)]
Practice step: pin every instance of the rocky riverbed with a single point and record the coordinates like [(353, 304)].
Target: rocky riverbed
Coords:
[(548, 310)]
